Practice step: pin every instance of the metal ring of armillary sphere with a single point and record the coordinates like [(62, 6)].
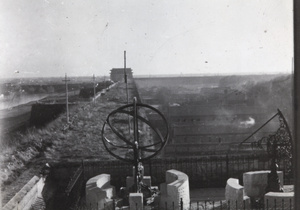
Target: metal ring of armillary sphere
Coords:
[(123, 136)]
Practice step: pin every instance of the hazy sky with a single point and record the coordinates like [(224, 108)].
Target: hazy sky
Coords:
[(85, 37)]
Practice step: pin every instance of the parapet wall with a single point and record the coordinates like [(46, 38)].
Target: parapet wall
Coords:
[(26, 197), (44, 113)]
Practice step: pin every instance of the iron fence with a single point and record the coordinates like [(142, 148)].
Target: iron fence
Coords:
[(273, 204), (74, 189), (203, 172)]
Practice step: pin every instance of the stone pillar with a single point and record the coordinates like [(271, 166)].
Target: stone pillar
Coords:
[(136, 201)]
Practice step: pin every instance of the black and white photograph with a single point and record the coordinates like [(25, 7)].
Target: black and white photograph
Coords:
[(148, 105)]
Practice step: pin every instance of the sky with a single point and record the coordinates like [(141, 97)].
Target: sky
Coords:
[(48, 38)]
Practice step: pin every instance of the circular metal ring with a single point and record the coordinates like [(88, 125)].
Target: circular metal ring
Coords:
[(122, 142)]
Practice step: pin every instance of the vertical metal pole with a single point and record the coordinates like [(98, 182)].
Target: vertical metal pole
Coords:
[(136, 148), (125, 77), (94, 88), (125, 80), (67, 100)]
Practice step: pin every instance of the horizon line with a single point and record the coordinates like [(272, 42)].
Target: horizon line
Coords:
[(165, 75)]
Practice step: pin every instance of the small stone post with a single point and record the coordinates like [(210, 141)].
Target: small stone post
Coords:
[(136, 201)]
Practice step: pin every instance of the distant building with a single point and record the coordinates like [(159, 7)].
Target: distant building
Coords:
[(117, 74)]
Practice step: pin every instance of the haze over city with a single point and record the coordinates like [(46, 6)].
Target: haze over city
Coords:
[(47, 38)]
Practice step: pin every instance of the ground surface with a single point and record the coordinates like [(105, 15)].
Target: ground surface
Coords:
[(58, 141)]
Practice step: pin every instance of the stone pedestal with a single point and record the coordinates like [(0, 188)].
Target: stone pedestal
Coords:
[(136, 201), (279, 200), (174, 190), (234, 194), (255, 183), (99, 192)]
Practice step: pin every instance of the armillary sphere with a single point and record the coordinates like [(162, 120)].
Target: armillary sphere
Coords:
[(129, 133)]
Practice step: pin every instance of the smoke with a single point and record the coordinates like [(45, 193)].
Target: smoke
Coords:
[(12, 101), (247, 123)]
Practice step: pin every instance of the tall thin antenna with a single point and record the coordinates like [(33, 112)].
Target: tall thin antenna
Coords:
[(94, 88), (125, 77), (67, 100)]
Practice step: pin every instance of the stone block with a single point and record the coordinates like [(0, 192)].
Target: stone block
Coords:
[(147, 180), (175, 189), (98, 191), (171, 176), (129, 182), (163, 188), (279, 200), (255, 182), (136, 201), (234, 195)]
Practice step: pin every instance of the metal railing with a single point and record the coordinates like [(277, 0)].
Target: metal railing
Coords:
[(203, 172), (270, 204)]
